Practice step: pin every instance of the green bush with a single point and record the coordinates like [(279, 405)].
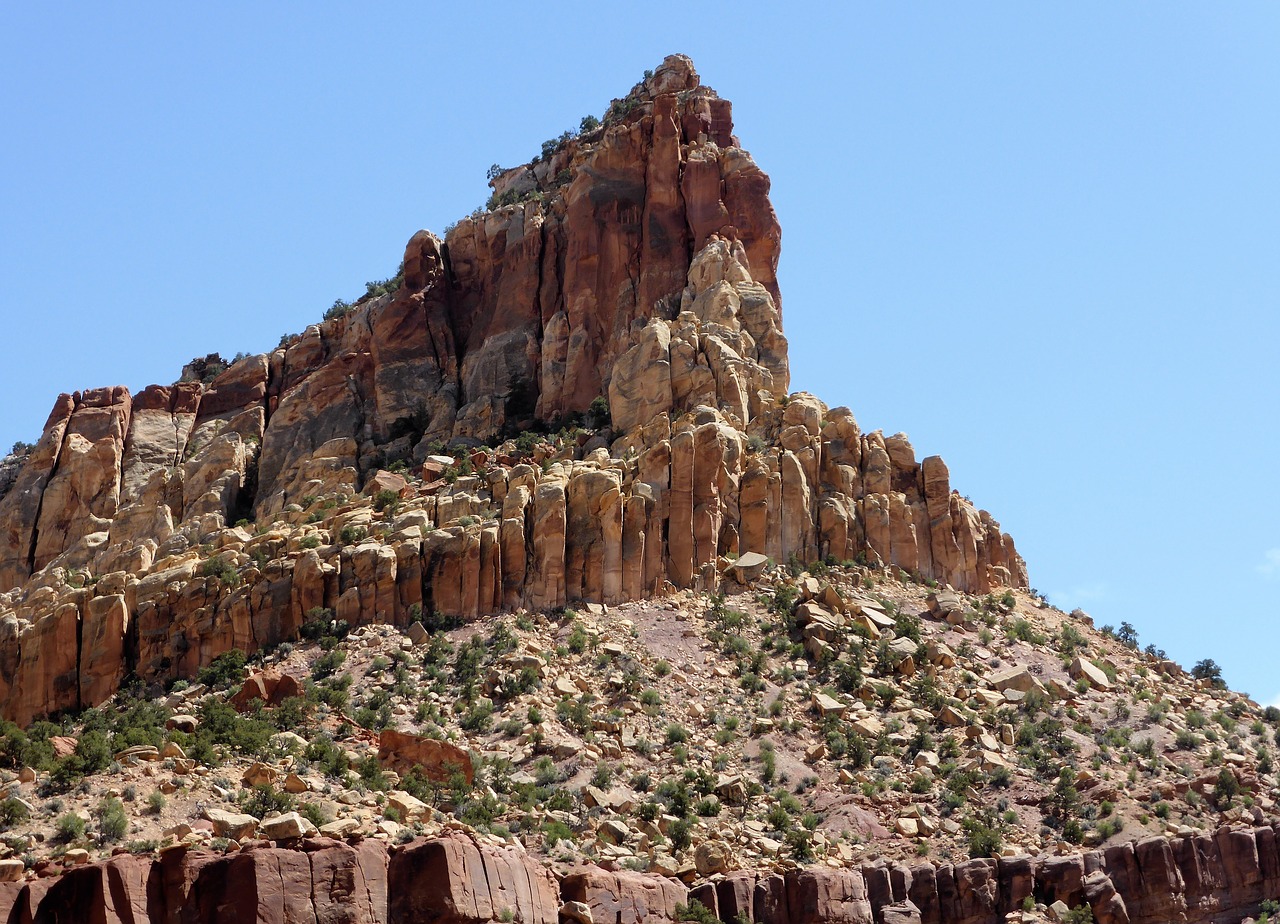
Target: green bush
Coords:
[(1225, 789), (1025, 632), (353, 535), (314, 814), (221, 726), (479, 717), (1209, 670), (156, 802), (556, 831), (220, 568), (1186, 740), (984, 840), (697, 913), (327, 664), (68, 828), (326, 756), (113, 823), (223, 670), (265, 800), (1081, 914), (12, 812), (30, 748)]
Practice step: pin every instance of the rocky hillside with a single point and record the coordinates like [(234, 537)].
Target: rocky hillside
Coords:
[(825, 746), (522, 589)]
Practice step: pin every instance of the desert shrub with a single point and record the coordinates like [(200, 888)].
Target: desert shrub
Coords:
[(680, 833), (222, 569), (223, 670), (69, 827), (1186, 740), (1225, 789), (221, 726), (314, 814), (112, 820), (556, 831), (697, 913), (265, 800), (327, 664), (12, 812), (984, 840), (1025, 632), (479, 717), (1080, 914)]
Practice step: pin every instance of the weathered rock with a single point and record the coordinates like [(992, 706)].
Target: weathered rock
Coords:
[(624, 897), (1208, 878), (283, 827), (1084, 669), (644, 271), (233, 825), (271, 686), (453, 879), (437, 759)]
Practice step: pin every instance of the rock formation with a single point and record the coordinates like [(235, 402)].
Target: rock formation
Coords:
[(1217, 877), (635, 263)]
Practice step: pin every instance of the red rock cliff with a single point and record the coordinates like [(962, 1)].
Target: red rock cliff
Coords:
[(1220, 877), (635, 263)]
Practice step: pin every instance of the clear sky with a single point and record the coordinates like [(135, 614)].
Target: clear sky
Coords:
[(1043, 239)]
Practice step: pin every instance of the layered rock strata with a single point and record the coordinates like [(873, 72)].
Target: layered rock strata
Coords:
[(638, 266), (1220, 877)]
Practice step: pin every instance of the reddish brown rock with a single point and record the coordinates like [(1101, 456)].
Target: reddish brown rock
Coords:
[(271, 686), (640, 266), (624, 897), (454, 881), (437, 759)]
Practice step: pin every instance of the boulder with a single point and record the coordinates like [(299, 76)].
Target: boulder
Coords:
[(232, 825), (12, 870), (1084, 669), (286, 826), (438, 760)]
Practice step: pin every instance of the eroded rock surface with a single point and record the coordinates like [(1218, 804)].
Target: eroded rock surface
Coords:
[(1216, 877), (638, 265)]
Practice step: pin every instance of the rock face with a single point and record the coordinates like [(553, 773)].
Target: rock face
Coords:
[(635, 263), (1217, 877)]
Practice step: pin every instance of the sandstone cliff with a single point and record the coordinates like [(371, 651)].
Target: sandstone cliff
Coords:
[(635, 263), (1219, 877)]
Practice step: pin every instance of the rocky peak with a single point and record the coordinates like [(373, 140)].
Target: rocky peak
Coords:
[(625, 278)]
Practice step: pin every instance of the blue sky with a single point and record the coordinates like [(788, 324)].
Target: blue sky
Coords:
[(1041, 239)]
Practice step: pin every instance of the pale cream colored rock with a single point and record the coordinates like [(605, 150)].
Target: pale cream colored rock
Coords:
[(259, 774), (288, 825), (1013, 678), (579, 912), (827, 705), (711, 857), (340, 828), (409, 807), (1084, 669), (233, 825)]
